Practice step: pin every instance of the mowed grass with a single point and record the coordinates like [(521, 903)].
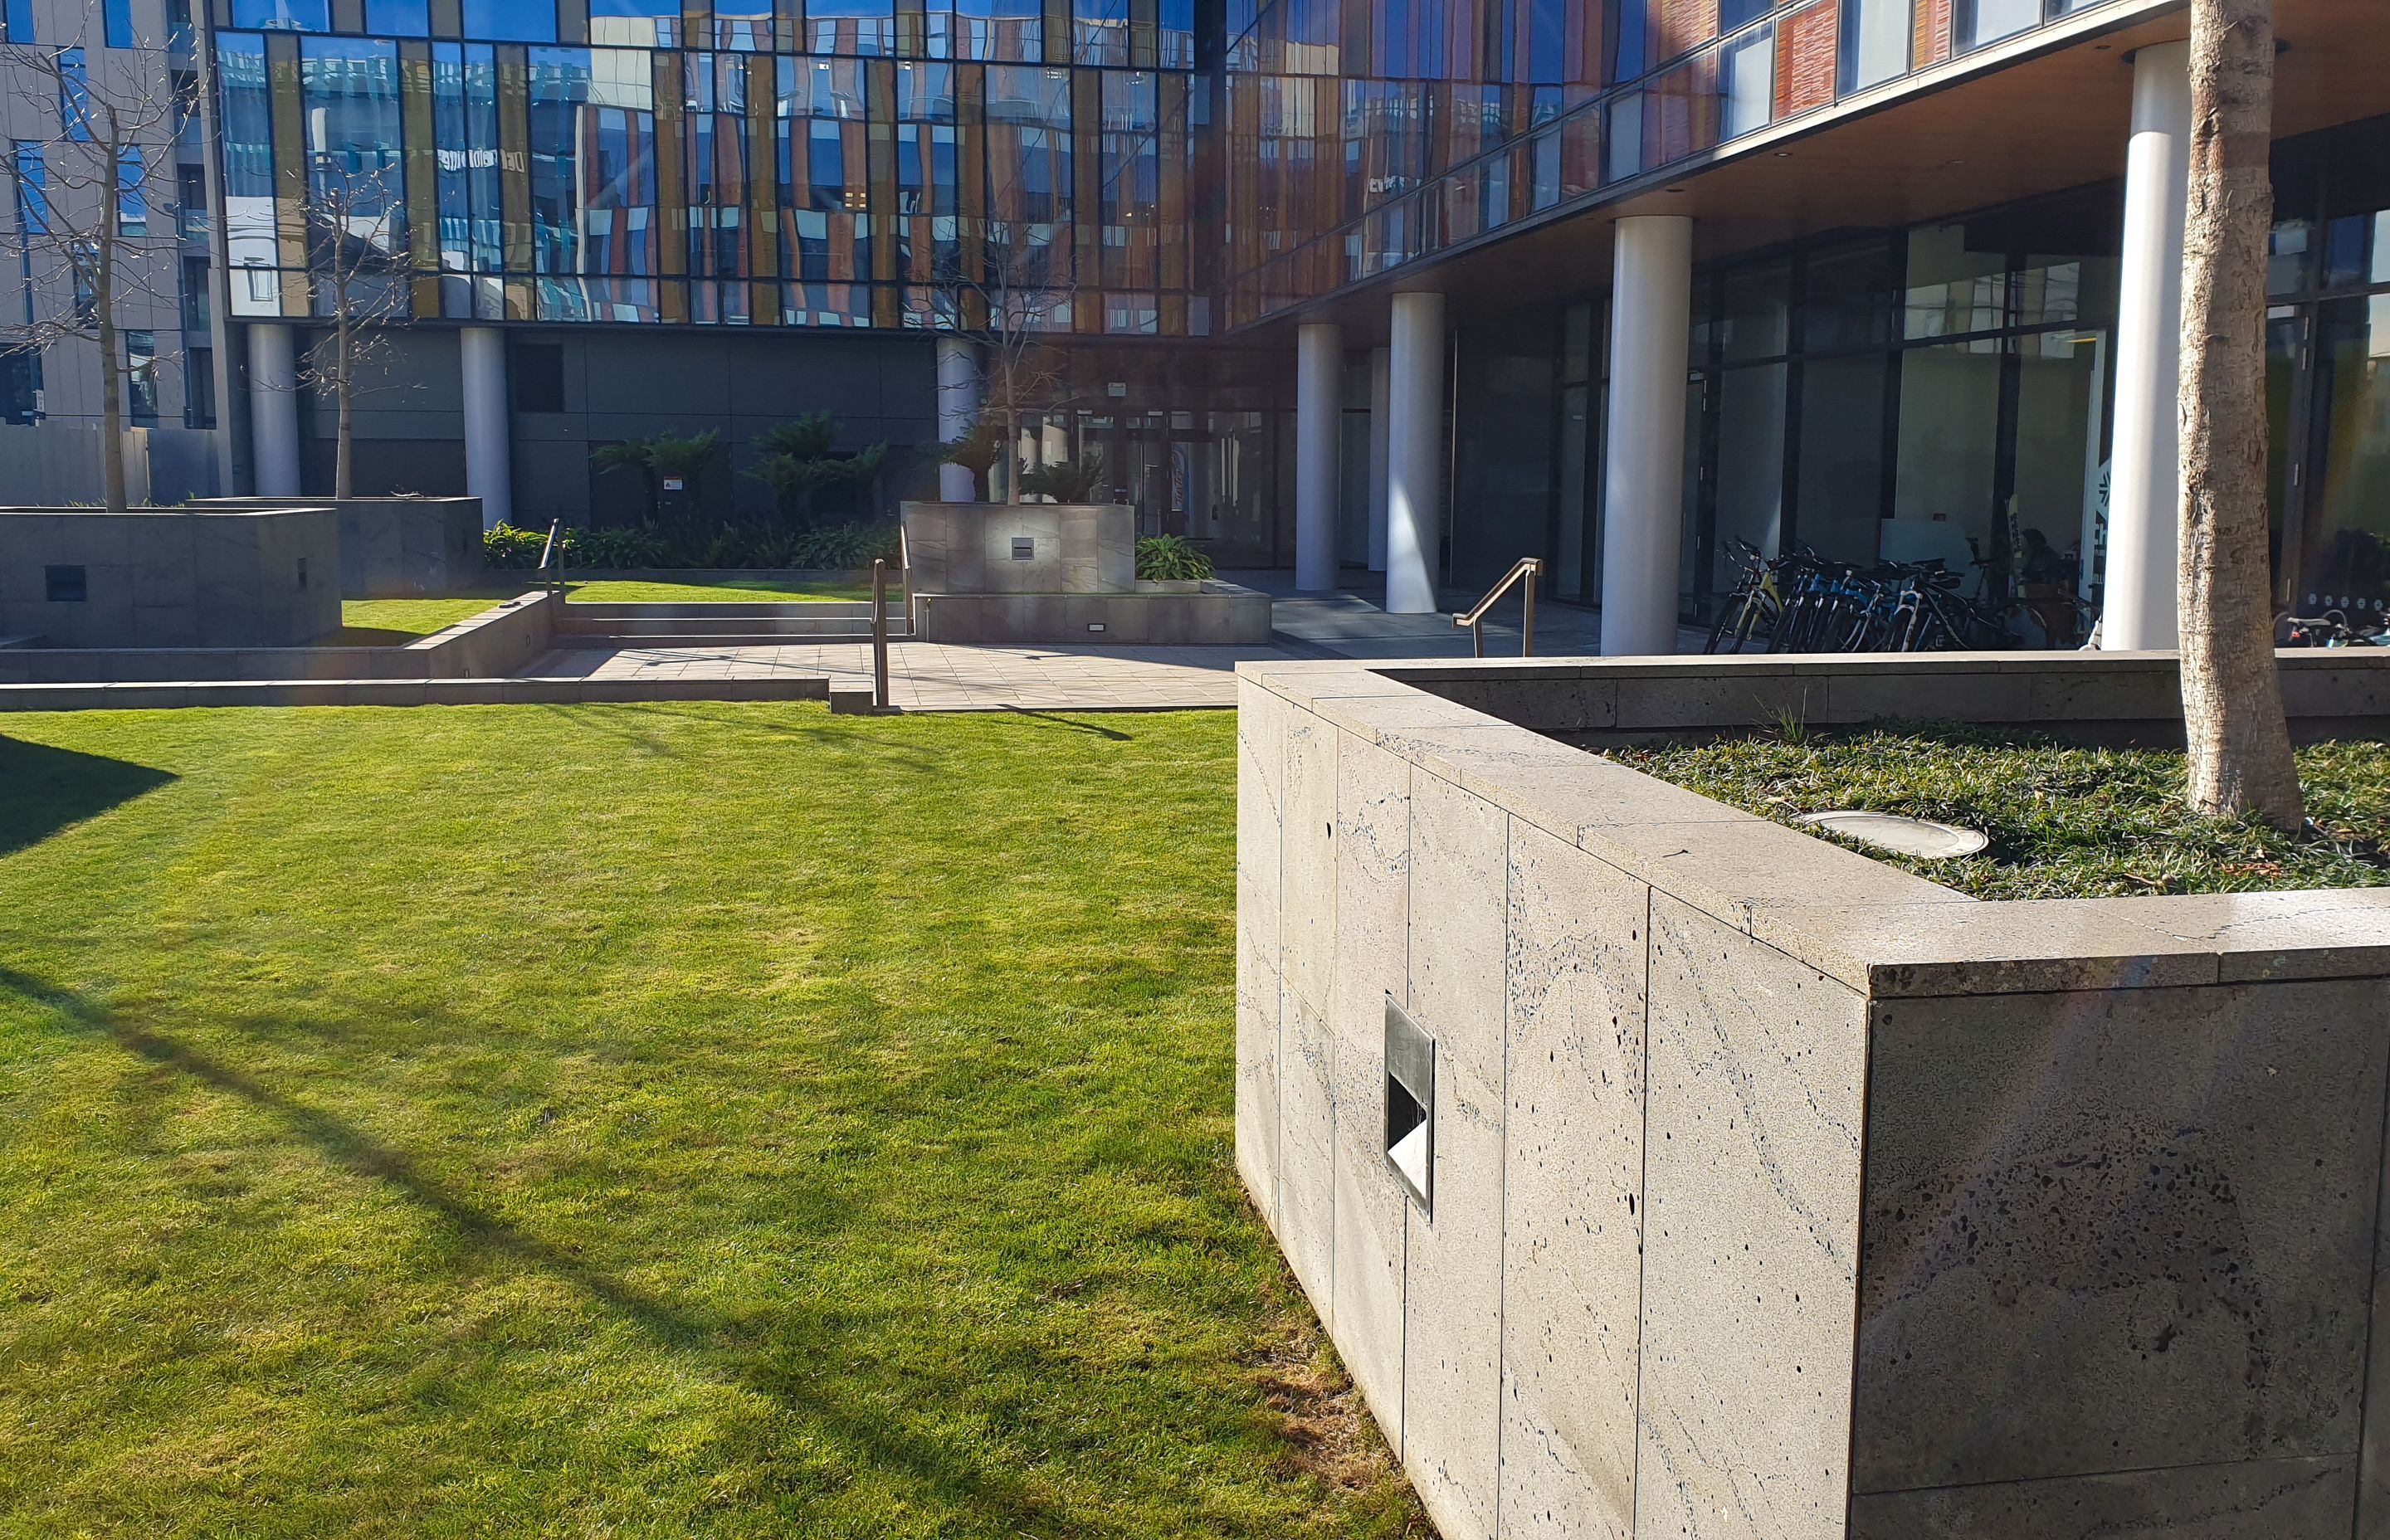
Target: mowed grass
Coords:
[(395, 623), (727, 591), (2063, 821), (637, 1121)]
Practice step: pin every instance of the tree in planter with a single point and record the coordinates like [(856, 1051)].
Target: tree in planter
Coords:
[(356, 268), (109, 119), (799, 463), (1016, 293), (2239, 740), (1079, 480)]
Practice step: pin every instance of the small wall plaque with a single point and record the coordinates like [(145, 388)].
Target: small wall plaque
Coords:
[(1024, 548), (1410, 1106)]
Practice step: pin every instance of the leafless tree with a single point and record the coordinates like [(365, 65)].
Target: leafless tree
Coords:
[(80, 240), (2231, 688), (356, 269), (1014, 298)]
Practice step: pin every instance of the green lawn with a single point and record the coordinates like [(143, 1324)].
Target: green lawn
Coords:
[(727, 591), (395, 623), (638, 1121), (2064, 821)]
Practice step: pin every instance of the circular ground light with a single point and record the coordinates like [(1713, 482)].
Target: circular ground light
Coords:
[(1916, 837)]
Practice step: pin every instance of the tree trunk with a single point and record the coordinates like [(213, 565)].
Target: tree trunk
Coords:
[(342, 481), (2231, 687), (112, 369)]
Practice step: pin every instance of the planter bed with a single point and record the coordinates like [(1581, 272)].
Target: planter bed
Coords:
[(1774, 1192), (2064, 821)]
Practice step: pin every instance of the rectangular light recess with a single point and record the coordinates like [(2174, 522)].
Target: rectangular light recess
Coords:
[(1410, 1106)]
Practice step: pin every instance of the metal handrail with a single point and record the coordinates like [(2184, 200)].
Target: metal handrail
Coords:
[(880, 633), (1473, 619), (553, 583)]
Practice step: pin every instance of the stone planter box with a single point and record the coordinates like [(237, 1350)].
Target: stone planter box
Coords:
[(396, 548), (182, 577), (1212, 614), (1776, 1193)]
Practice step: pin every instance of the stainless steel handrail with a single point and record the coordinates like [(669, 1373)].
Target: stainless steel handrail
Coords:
[(553, 581), (880, 634), (1473, 619)]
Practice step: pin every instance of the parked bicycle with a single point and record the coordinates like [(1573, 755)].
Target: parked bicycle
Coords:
[(1800, 602), (2333, 628)]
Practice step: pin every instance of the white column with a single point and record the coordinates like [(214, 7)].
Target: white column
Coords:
[(489, 472), (2145, 474), (1643, 492), (1414, 454), (273, 410), (1318, 432), (958, 396), (1381, 382)]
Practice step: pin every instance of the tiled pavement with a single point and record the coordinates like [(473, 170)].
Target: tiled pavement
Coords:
[(933, 676)]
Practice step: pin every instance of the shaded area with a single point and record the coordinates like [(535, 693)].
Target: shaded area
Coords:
[(44, 790)]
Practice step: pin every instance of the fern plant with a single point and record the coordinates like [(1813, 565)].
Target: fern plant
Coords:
[(1169, 559)]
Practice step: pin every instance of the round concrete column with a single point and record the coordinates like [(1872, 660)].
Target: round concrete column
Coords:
[(489, 465), (1319, 423), (273, 409), (1643, 488), (1415, 454), (2145, 473), (1381, 382), (958, 398)]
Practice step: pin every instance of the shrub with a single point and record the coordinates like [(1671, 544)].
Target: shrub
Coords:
[(1080, 481), (733, 546), (1168, 558)]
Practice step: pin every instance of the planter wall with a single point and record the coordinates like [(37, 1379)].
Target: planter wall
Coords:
[(188, 577), (1780, 1194), (397, 547), (1024, 548), (491, 645)]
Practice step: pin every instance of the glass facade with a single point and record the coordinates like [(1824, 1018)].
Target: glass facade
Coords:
[(1362, 137), (843, 164)]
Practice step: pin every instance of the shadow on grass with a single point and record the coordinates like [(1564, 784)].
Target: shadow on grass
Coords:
[(621, 720), (1023, 713), (787, 1368), (44, 790)]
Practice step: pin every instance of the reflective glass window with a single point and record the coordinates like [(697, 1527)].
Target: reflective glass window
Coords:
[(510, 20), (132, 193), (283, 15)]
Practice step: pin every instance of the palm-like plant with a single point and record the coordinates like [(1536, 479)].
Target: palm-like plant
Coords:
[(1078, 480)]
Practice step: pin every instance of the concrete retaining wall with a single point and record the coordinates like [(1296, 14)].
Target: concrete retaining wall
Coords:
[(398, 548), (1780, 1194), (192, 577), (1221, 614), (494, 643)]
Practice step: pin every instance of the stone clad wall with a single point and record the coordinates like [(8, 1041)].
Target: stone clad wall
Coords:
[(398, 548), (172, 577), (967, 547), (1780, 1194)]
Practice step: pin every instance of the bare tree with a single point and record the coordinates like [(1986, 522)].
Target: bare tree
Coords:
[(2231, 687), (356, 269), (81, 238), (1015, 298)]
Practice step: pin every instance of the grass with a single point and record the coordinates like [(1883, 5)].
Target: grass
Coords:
[(727, 591), (2064, 822), (781, 1124), (395, 623)]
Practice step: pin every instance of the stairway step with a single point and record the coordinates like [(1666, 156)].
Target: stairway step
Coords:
[(718, 639)]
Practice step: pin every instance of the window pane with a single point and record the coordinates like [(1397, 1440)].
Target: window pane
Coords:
[(1875, 41), (511, 21), (283, 15)]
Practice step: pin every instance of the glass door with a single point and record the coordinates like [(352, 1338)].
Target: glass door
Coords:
[(2342, 554)]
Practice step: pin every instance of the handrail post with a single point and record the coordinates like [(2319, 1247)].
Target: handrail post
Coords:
[(880, 633), (1527, 621)]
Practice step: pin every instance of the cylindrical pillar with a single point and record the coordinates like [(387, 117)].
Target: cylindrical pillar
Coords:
[(1319, 423), (1643, 491), (1414, 454), (273, 409), (489, 469), (958, 397), (1382, 380), (2145, 473)]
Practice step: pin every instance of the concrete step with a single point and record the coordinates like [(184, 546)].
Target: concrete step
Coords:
[(728, 625), (618, 639), (851, 700), (752, 617)]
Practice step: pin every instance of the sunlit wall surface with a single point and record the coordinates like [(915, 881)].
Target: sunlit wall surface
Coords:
[(852, 163), (1361, 135)]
